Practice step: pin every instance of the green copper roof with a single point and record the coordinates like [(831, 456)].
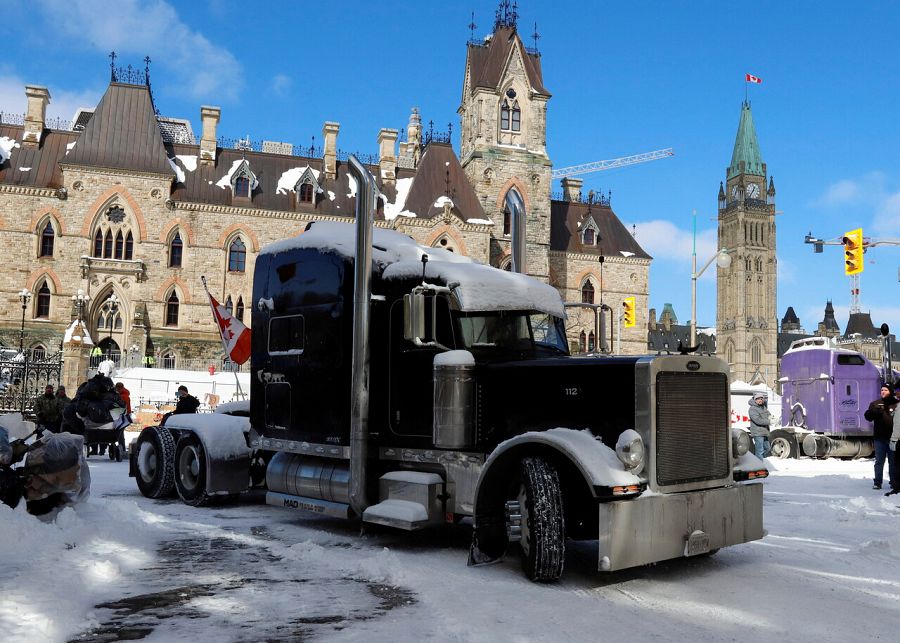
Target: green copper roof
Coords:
[(746, 147)]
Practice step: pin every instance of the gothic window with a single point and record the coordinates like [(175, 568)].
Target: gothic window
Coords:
[(47, 236), (747, 264), (507, 221), (168, 360), (587, 292), (98, 244), (755, 353), (115, 214), (229, 305), (107, 245), (176, 247), (239, 311), (101, 321), (237, 256), (590, 345), (38, 352), (306, 193), (582, 342), (588, 237), (444, 243), (243, 181), (120, 245), (42, 304), (113, 238), (510, 114), (129, 246), (242, 186), (172, 309), (729, 353)]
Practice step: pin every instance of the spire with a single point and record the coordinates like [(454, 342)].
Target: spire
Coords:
[(746, 157)]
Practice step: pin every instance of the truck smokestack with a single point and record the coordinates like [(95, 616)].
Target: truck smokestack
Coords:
[(362, 297)]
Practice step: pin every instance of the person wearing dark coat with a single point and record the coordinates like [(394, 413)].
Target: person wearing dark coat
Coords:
[(47, 411), (759, 424), (881, 414), (187, 403)]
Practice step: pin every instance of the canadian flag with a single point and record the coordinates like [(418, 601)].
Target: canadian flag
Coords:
[(754, 79), (235, 335)]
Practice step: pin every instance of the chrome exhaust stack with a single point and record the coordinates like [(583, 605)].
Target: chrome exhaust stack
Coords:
[(516, 207), (362, 297)]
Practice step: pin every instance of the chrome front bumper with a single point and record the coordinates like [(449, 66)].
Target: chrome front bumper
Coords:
[(649, 529)]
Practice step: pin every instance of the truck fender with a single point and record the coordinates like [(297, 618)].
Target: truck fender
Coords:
[(224, 440), (578, 456)]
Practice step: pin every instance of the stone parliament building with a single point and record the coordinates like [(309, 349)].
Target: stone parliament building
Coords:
[(129, 208)]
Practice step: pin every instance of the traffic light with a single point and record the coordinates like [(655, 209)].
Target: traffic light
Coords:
[(853, 252), (628, 312)]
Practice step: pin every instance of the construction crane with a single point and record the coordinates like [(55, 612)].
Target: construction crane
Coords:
[(610, 164)]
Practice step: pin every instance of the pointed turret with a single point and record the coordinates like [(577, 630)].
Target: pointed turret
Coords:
[(721, 196), (746, 157)]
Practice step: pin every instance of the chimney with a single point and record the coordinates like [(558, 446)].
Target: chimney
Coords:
[(329, 150), (652, 322), (387, 156), (209, 116), (35, 118), (572, 188)]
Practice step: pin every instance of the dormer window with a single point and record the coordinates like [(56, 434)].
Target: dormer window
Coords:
[(306, 187), (510, 114), (588, 238), (305, 193), (243, 181), (242, 186)]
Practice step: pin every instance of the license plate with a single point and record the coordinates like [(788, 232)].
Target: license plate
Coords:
[(697, 543)]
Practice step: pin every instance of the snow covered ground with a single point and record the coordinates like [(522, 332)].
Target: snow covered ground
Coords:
[(122, 566)]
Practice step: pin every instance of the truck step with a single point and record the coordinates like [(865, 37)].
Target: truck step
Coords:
[(409, 500), (402, 514)]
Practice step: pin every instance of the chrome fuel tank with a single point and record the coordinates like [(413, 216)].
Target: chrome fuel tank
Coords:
[(308, 476)]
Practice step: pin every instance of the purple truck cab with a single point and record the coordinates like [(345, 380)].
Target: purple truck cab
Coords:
[(826, 390)]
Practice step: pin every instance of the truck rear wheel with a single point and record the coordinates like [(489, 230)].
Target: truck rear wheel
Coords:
[(190, 471), (783, 445), (543, 539), (155, 459)]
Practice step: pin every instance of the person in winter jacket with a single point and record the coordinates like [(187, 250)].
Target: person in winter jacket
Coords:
[(187, 403), (47, 410), (759, 424), (125, 394), (881, 414), (894, 446)]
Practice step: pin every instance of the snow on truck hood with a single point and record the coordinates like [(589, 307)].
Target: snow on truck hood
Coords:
[(481, 287)]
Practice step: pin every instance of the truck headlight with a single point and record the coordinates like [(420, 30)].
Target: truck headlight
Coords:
[(740, 442), (630, 449)]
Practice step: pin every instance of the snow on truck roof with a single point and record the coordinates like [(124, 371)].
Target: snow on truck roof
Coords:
[(481, 287)]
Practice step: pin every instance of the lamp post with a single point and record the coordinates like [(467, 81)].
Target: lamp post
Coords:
[(24, 297), (80, 299), (133, 352), (722, 259), (110, 320)]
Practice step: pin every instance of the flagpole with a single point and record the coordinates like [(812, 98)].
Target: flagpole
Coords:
[(237, 382)]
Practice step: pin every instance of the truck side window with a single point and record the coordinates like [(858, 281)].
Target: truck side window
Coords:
[(286, 334)]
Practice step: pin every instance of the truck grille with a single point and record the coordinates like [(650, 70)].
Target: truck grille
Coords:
[(692, 427)]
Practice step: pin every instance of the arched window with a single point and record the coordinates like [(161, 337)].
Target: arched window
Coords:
[(120, 245), (242, 186), (98, 244), (588, 237), (237, 256), (101, 321), (591, 342), (168, 360), (38, 352), (107, 245), (582, 342), (175, 249), (229, 306), (172, 309), (47, 236), (507, 221), (129, 246), (510, 114), (755, 353), (444, 243), (239, 311), (306, 193), (729, 353), (42, 305), (587, 292)]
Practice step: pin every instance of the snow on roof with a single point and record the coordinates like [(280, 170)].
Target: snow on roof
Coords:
[(179, 173), (395, 209), (69, 147), (77, 332), (225, 181), (441, 200), (6, 148), (816, 343), (352, 181), (289, 178), (710, 331), (480, 287), (188, 160)]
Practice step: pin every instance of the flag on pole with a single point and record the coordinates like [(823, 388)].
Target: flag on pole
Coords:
[(235, 336), (750, 78)]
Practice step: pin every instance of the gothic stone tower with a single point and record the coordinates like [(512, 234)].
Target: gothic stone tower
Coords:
[(504, 139), (746, 319)]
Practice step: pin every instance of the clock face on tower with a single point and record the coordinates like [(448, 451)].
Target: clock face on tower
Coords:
[(752, 191)]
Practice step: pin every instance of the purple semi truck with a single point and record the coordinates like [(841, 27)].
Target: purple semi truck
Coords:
[(825, 392)]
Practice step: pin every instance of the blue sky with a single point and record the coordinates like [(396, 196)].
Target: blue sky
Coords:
[(626, 77)]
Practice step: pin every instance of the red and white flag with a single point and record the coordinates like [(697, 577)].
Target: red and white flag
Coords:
[(235, 336), (753, 79)]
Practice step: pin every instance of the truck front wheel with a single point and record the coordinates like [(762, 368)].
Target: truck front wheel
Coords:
[(190, 471), (155, 460), (543, 539)]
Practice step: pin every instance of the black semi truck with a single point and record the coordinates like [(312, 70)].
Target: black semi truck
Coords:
[(416, 387)]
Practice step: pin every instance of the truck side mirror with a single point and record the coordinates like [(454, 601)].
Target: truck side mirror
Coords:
[(414, 316)]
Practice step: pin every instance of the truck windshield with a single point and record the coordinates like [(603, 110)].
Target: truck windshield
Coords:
[(512, 330)]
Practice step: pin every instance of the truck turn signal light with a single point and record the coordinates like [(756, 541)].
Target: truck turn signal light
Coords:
[(853, 252), (628, 313)]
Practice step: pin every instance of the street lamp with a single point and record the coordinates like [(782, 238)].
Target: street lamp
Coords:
[(24, 297), (723, 260), (110, 320), (80, 300)]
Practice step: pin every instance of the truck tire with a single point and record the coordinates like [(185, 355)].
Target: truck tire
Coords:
[(190, 471), (543, 540), (155, 459), (783, 445)]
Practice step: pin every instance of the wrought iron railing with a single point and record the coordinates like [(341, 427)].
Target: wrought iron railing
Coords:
[(591, 198), (23, 378)]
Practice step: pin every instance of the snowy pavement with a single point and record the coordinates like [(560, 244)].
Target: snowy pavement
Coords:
[(122, 566)]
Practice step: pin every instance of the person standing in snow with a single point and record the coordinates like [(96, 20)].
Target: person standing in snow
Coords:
[(894, 446), (47, 410), (759, 424), (881, 414), (125, 394)]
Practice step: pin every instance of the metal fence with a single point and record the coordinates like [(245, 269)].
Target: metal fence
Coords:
[(23, 379)]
